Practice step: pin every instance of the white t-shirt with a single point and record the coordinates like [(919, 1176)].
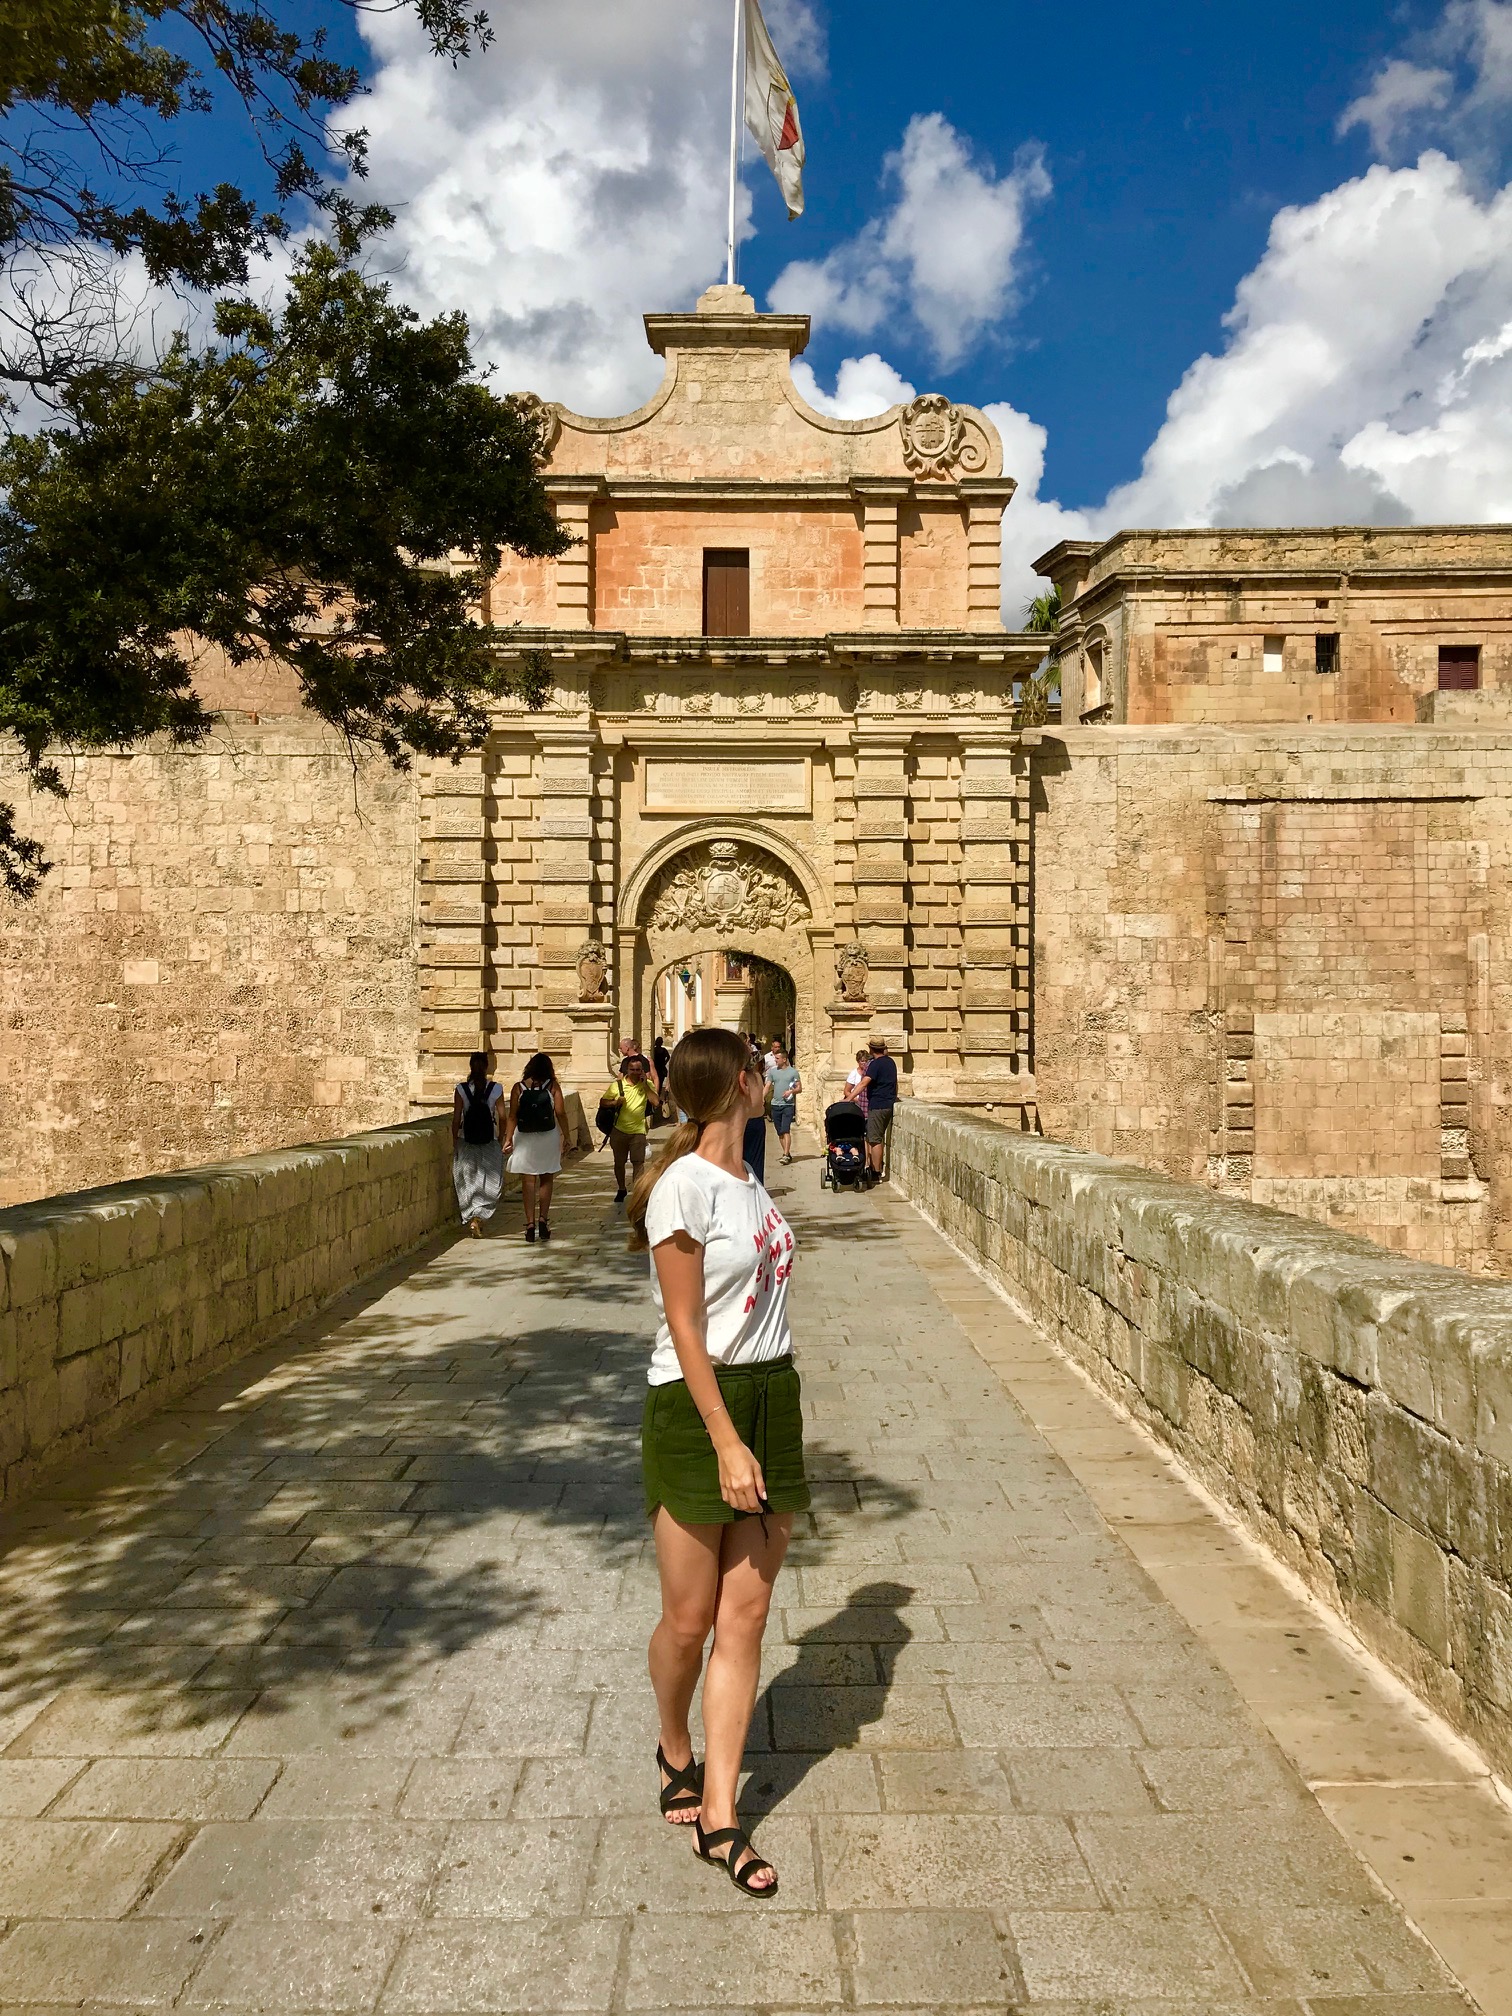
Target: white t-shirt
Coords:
[(853, 1079), (495, 1094), (748, 1256)]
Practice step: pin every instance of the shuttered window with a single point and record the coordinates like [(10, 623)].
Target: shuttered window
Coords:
[(726, 592), (1459, 668)]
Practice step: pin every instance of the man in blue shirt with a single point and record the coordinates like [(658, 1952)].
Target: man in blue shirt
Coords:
[(881, 1079)]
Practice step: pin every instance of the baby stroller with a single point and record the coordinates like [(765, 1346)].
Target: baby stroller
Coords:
[(844, 1146)]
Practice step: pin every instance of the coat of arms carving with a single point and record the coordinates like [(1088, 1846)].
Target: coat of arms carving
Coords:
[(938, 439), (725, 888)]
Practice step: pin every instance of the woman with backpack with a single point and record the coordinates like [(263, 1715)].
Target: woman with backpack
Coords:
[(533, 1137), (477, 1158)]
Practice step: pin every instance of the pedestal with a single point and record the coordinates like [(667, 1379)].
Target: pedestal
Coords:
[(588, 1068), (850, 1022)]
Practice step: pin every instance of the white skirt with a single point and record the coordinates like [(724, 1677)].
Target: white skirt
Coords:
[(536, 1154)]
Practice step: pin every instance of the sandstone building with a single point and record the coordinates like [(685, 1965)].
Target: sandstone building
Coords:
[(1241, 915)]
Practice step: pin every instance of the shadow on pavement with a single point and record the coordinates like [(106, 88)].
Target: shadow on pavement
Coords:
[(407, 1478), (836, 1687)]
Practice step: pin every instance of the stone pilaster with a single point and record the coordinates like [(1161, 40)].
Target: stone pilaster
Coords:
[(455, 887), (880, 498), (565, 871), (995, 921), (985, 499), (572, 498), (880, 914)]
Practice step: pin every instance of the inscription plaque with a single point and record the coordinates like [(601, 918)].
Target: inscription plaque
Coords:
[(684, 785)]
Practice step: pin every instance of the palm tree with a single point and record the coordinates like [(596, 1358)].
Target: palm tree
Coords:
[(1043, 617)]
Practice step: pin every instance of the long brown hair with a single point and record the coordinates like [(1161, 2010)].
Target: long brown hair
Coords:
[(704, 1080)]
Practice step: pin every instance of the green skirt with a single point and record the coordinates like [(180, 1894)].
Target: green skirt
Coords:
[(677, 1458)]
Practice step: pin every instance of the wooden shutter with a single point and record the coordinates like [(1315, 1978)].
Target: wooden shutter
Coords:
[(1459, 668), (727, 592)]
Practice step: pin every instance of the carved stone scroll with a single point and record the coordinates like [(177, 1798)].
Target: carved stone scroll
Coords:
[(726, 888)]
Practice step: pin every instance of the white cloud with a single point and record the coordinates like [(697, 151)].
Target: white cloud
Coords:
[(864, 386), (1363, 377), (560, 183), (1032, 524), (1399, 96), (1454, 87), (946, 254)]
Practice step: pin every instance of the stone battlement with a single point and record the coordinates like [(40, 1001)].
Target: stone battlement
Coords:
[(1354, 1408)]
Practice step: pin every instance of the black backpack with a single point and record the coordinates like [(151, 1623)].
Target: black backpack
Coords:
[(477, 1115), (535, 1114)]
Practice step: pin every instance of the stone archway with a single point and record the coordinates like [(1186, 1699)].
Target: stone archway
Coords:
[(724, 891)]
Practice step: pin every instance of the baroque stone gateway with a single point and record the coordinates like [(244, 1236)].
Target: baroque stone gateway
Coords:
[(1241, 915)]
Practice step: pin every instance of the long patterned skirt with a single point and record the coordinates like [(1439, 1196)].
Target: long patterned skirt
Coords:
[(478, 1174)]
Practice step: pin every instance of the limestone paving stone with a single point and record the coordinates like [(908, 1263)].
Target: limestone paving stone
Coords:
[(406, 1762)]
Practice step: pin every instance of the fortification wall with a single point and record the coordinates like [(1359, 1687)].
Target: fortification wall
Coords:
[(1276, 961), (225, 958), (114, 1301), (1355, 1410)]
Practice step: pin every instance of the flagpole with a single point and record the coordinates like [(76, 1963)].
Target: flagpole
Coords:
[(734, 138)]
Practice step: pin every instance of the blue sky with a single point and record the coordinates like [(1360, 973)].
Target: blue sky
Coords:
[(1202, 264), (1172, 133)]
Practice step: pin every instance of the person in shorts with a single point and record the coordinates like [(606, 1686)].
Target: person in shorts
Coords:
[(721, 1436), (785, 1085), (631, 1094), (881, 1081)]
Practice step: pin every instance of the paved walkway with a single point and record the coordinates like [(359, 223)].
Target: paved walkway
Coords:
[(326, 1692)]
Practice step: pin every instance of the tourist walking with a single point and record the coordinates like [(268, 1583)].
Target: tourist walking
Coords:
[(880, 1077), (477, 1156), (721, 1435), (661, 1058), (534, 1135), (630, 1095), (785, 1085)]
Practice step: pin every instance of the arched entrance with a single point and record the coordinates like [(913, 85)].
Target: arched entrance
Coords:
[(738, 910), (731, 988)]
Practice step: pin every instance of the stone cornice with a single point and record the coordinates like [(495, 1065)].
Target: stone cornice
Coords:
[(847, 648), (727, 332)]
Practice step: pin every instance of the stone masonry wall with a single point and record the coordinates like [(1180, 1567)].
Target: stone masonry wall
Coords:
[(225, 958), (115, 1300), (1275, 960), (1353, 1408)]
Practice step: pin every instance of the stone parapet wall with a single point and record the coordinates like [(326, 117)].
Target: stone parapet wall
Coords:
[(114, 1301), (1353, 1407)]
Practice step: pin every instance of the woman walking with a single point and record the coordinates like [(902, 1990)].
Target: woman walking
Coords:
[(477, 1158), (533, 1138), (721, 1436), (782, 1076)]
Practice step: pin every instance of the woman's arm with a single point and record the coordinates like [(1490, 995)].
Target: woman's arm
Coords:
[(507, 1131), (560, 1110), (680, 1270)]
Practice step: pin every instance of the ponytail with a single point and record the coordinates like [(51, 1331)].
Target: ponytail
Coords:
[(683, 1139), (704, 1080)]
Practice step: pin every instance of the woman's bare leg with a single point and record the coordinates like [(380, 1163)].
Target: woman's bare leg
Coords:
[(687, 1559), (528, 1186), (748, 1565), (544, 1184)]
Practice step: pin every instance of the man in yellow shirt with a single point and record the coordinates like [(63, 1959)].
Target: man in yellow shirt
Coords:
[(632, 1095)]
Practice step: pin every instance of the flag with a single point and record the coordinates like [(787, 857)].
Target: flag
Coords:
[(771, 110)]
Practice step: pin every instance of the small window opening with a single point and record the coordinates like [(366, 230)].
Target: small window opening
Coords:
[(1275, 655), (1326, 651), (1092, 696), (726, 592), (1321, 603), (1459, 668)]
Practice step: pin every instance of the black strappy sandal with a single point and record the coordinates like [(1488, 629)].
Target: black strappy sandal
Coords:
[(739, 1873), (684, 1788)]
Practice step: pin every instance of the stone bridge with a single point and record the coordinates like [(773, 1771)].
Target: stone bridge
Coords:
[(326, 1589)]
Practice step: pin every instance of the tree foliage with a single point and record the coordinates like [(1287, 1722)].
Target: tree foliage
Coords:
[(290, 485), (1041, 689), (293, 492)]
